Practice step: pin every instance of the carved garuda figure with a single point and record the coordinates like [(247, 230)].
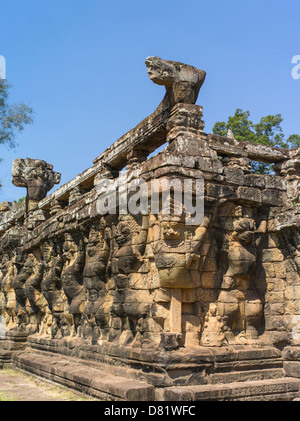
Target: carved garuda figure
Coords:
[(96, 312), (176, 253), (72, 277), (18, 283), (36, 301), (7, 275), (130, 242), (239, 304), (52, 285), (32, 287)]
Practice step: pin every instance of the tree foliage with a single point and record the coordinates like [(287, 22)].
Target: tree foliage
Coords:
[(13, 117), (267, 131), (21, 200)]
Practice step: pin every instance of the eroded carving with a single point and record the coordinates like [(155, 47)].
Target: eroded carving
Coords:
[(72, 278), (95, 275), (182, 82), (37, 176), (239, 304), (51, 286), (8, 273), (128, 305), (150, 290)]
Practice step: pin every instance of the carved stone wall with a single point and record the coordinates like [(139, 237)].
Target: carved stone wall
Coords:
[(74, 278)]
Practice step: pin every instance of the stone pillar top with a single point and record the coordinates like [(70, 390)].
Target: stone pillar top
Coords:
[(36, 175)]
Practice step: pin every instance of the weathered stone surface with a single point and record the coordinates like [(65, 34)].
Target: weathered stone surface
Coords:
[(175, 303), (182, 83), (94, 381), (259, 390), (36, 175)]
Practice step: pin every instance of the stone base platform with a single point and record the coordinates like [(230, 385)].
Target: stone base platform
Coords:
[(185, 366), (109, 382), (5, 357), (14, 341), (95, 381), (284, 389), (114, 372)]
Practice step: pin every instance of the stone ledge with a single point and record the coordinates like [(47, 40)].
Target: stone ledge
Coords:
[(263, 373), (288, 388), (5, 357), (87, 379)]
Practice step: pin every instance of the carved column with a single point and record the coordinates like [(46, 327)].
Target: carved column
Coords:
[(185, 119)]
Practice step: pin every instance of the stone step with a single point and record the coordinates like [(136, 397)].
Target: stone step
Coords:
[(249, 375), (108, 382), (285, 389), (93, 381), (5, 357)]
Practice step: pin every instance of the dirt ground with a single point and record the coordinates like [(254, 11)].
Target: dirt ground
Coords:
[(17, 386)]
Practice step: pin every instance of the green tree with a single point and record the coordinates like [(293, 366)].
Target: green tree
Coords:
[(267, 132), (13, 118), (21, 200)]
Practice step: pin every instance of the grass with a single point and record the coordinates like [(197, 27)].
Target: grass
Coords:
[(4, 397), (65, 394), (9, 371), (59, 392)]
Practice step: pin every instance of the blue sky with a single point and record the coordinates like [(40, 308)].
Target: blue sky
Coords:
[(80, 65)]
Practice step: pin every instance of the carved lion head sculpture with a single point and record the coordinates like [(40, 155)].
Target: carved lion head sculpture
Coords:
[(182, 80)]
